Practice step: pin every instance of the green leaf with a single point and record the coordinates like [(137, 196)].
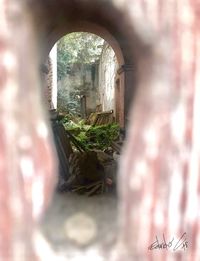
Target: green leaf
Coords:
[(84, 48)]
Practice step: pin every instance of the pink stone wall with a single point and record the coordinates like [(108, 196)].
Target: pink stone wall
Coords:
[(27, 161), (159, 181), (160, 170)]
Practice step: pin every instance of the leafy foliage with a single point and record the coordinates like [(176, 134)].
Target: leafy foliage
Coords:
[(93, 137), (100, 137), (80, 47)]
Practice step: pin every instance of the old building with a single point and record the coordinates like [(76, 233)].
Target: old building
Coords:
[(107, 75), (81, 80), (96, 81)]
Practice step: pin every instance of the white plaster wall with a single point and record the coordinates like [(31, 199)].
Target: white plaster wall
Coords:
[(107, 70), (53, 57)]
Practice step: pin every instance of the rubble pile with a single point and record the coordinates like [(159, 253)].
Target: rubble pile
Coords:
[(88, 151)]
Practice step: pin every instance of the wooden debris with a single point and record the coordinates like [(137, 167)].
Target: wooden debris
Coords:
[(99, 108), (76, 143), (63, 147), (90, 189), (86, 174), (85, 170), (101, 118), (95, 189), (116, 146)]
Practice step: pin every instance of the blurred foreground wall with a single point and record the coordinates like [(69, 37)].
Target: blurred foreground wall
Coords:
[(159, 183)]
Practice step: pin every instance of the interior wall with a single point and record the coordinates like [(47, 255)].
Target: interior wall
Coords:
[(53, 57), (108, 67)]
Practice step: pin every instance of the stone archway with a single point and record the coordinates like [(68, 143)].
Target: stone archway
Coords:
[(83, 26), (125, 71), (121, 73), (103, 20)]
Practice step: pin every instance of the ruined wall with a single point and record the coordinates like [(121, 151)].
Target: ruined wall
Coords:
[(53, 78), (81, 79), (107, 75), (49, 79), (25, 138)]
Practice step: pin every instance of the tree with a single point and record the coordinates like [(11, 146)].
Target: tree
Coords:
[(77, 48)]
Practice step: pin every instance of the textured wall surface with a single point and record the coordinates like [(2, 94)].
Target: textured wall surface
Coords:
[(160, 170), (82, 79), (159, 184), (27, 164), (48, 84), (107, 73)]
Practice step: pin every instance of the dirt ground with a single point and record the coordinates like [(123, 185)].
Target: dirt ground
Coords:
[(74, 224)]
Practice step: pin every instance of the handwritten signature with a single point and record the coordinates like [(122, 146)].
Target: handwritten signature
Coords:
[(180, 244)]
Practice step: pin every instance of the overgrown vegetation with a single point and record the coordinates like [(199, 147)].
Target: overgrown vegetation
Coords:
[(91, 137), (75, 50), (99, 137), (81, 48)]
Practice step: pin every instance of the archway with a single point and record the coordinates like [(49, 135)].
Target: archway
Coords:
[(92, 71), (104, 21), (59, 19), (71, 203), (125, 74)]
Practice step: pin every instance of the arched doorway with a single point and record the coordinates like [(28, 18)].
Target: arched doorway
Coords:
[(84, 64), (71, 203), (103, 20)]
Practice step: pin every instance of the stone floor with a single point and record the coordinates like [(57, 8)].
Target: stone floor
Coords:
[(76, 223)]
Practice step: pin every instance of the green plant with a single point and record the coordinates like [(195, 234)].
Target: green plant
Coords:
[(80, 47), (99, 137)]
